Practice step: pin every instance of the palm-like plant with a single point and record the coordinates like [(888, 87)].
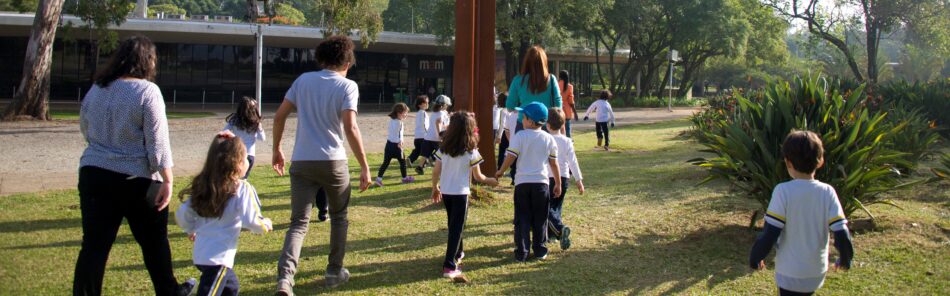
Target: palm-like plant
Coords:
[(859, 159)]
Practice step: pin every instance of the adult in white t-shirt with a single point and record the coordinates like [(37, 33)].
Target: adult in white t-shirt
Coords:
[(326, 103)]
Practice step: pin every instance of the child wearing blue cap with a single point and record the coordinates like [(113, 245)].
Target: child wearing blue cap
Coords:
[(536, 154)]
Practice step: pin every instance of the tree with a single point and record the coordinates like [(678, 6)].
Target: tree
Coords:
[(347, 17), (194, 7), (32, 95), (411, 16), (154, 10), (876, 17)]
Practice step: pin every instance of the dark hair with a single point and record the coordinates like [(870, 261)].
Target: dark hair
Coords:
[(211, 189), (502, 99), (606, 94), (460, 136), (436, 107), (566, 77), (555, 118), (134, 58), (534, 68), (421, 99), (247, 117), (804, 150), (335, 52), (398, 108)]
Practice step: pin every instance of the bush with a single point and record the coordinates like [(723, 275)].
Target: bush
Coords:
[(860, 159), (943, 172), (153, 10), (931, 99)]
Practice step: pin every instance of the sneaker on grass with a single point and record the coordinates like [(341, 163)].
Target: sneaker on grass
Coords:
[(451, 273), (337, 279), (566, 238), (187, 287)]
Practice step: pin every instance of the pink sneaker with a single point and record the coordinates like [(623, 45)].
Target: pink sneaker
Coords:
[(451, 273), (408, 179), (378, 182)]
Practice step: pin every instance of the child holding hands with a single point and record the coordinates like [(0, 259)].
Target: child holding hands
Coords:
[(536, 154), (220, 204), (457, 162)]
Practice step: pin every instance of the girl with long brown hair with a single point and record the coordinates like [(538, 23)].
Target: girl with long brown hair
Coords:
[(217, 205), (245, 123), (534, 83), (393, 148), (456, 164)]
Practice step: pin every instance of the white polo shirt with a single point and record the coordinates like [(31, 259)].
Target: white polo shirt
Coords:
[(433, 132), (566, 159), (456, 173), (533, 148), (422, 124), (395, 131)]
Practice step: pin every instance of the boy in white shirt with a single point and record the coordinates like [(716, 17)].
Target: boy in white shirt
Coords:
[(536, 154), (800, 215), (567, 161), (605, 114)]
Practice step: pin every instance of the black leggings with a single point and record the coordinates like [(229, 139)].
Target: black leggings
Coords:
[(105, 198), (392, 151), (783, 292), (416, 149), (456, 207), (603, 133), (502, 148)]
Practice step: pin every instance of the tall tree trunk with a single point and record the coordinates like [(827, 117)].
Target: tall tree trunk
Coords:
[(873, 43), (32, 95), (600, 73)]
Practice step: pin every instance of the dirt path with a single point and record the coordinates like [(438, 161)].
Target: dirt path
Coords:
[(39, 156)]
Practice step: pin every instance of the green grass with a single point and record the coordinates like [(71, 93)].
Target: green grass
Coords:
[(74, 114), (642, 228)]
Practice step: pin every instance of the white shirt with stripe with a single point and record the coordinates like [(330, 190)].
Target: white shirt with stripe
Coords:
[(455, 178), (806, 211), (605, 113), (533, 148), (216, 238)]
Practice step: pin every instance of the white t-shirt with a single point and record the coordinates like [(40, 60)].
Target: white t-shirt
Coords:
[(216, 238), (321, 97), (511, 122), (566, 159), (805, 210), (422, 124), (249, 139), (456, 173), (432, 133), (533, 148), (605, 113), (496, 117), (395, 131)]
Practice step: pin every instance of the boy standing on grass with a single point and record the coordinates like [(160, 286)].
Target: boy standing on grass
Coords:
[(534, 150), (568, 167), (802, 211)]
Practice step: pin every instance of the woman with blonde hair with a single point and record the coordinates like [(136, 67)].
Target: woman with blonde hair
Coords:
[(534, 83)]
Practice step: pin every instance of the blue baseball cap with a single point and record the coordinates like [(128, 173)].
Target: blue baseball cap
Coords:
[(535, 111)]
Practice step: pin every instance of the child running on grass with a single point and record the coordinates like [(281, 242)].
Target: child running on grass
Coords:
[(437, 123), (394, 144), (422, 125), (220, 204), (800, 215), (605, 114), (536, 154), (457, 162), (245, 123), (567, 161)]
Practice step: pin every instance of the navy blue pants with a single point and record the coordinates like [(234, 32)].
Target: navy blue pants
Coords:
[(321, 203), (783, 292), (391, 152), (217, 280), (555, 225), (567, 127), (603, 132), (417, 145), (456, 207), (502, 147), (531, 216)]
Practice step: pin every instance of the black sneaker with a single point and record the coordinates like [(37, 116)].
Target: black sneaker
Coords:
[(566, 238), (185, 289), (335, 280), (322, 216), (420, 171)]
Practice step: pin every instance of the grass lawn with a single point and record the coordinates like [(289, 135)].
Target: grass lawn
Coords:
[(74, 114), (642, 228)]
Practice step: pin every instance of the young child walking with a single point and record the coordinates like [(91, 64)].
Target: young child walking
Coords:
[(245, 123), (220, 203), (393, 148), (457, 163), (422, 125), (799, 217), (605, 114), (567, 162), (536, 154), (438, 121)]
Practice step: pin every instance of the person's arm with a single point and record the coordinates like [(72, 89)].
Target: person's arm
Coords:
[(610, 112), (763, 244), (355, 138), (575, 167), (570, 101), (481, 178), (186, 217), (251, 216), (514, 148), (838, 224), (509, 160), (558, 100), (158, 144), (436, 174), (591, 108), (556, 172), (260, 133), (277, 161)]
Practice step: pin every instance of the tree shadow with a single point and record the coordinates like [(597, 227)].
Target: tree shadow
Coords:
[(39, 225), (646, 264)]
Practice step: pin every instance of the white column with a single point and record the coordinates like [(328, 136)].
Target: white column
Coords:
[(141, 9), (258, 63)]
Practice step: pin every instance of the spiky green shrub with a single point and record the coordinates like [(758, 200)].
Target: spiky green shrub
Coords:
[(943, 172), (931, 98), (860, 160)]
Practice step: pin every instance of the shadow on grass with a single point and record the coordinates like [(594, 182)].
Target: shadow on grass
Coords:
[(39, 225), (648, 264)]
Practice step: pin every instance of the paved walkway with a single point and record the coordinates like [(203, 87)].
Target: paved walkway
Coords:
[(39, 156)]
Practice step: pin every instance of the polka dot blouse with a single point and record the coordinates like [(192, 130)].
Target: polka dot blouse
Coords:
[(126, 129)]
